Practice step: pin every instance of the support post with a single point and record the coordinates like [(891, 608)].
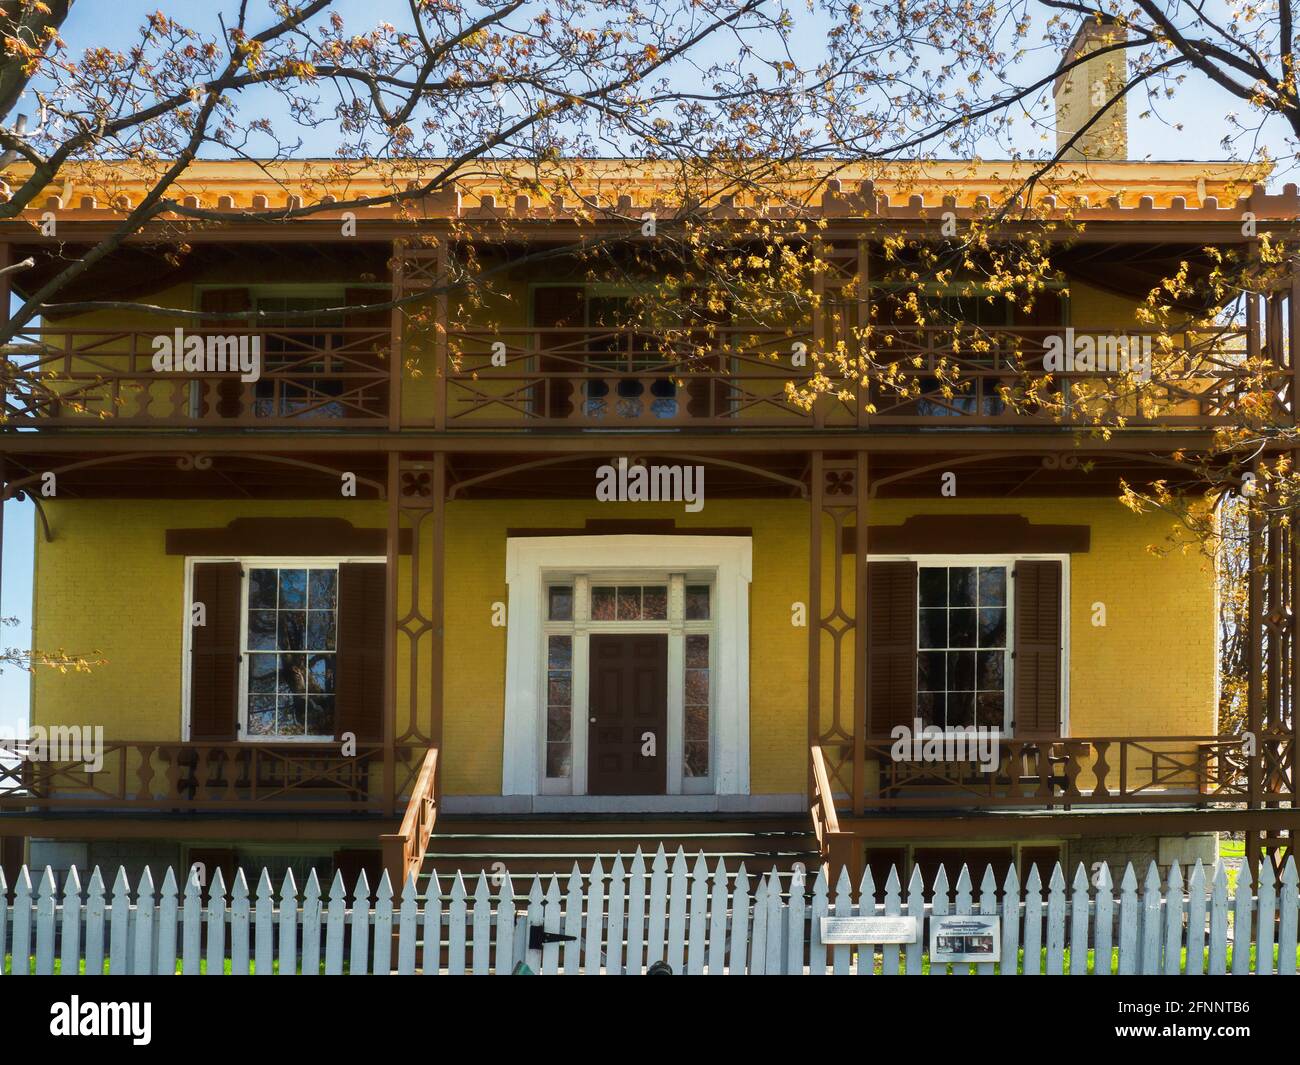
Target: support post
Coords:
[(861, 663), (393, 558), (814, 612), (396, 340)]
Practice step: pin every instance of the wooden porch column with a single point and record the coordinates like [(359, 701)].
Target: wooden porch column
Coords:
[(861, 659), (418, 493), (393, 557), (396, 347), (816, 477), (836, 717), (1255, 658)]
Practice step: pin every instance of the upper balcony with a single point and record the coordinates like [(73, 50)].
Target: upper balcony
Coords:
[(589, 379)]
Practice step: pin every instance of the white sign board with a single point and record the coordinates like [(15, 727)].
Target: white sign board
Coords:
[(968, 937), (840, 930)]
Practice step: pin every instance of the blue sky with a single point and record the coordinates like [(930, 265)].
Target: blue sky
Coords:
[(1200, 105)]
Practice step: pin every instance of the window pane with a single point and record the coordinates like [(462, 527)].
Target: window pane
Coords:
[(697, 652), (261, 589), (695, 760), (559, 653), (602, 604), (929, 708), (261, 630), (293, 589), (320, 715), (320, 630), (961, 709), (629, 604), (993, 627), (261, 673), (261, 715), (991, 669), (988, 710), (697, 602), (559, 706), (322, 593), (934, 587), (558, 724), (654, 603), (961, 671), (559, 762), (930, 672), (292, 630), (961, 586), (697, 687), (559, 690), (961, 628), (934, 628), (993, 586), (321, 674), (292, 674), (560, 602)]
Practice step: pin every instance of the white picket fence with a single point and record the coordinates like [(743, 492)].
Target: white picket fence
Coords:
[(642, 912)]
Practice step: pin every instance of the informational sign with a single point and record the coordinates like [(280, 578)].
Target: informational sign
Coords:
[(841, 930), (968, 937)]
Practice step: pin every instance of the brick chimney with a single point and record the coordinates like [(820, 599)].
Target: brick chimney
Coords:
[(1083, 90)]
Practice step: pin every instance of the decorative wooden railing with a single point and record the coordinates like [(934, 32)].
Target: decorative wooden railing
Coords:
[(835, 847), (1059, 774), (403, 850), (144, 775), (735, 377), (727, 377), (322, 376)]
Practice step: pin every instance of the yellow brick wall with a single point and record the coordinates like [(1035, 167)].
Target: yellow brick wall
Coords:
[(106, 584)]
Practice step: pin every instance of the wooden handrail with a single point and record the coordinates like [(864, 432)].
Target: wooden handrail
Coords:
[(403, 850)]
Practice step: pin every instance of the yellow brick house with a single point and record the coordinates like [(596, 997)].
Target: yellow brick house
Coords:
[(394, 603)]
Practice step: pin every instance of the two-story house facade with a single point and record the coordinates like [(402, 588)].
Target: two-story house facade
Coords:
[(511, 587)]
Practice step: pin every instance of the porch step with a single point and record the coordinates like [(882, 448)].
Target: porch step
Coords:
[(551, 846)]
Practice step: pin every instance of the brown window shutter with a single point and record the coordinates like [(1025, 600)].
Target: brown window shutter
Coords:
[(891, 645), (220, 303), (214, 652), (359, 672), (1037, 697)]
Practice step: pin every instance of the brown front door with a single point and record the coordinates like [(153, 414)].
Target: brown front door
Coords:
[(628, 703)]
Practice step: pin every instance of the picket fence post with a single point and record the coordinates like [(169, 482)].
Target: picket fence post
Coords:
[(696, 919)]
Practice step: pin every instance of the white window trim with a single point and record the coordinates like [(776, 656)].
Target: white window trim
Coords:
[(533, 562), (247, 562), (1009, 560)]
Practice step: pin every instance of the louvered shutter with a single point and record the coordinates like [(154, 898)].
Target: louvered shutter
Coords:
[(359, 670), (891, 645), (215, 651), (1037, 668)]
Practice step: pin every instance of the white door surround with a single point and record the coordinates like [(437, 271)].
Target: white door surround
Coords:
[(533, 560)]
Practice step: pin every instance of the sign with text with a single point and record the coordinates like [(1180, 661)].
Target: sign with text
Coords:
[(841, 930), (965, 937)]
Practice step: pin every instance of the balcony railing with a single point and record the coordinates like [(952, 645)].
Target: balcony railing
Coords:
[(732, 377), (181, 777), (1061, 774), (85, 378)]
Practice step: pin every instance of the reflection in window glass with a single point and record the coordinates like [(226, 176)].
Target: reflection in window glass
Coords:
[(559, 706), (289, 648), (559, 602), (695, 747), (961, 646), (697, 602)]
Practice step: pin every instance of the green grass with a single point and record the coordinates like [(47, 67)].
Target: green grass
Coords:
[(925, 963), (1114, 961), (203, 966)]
